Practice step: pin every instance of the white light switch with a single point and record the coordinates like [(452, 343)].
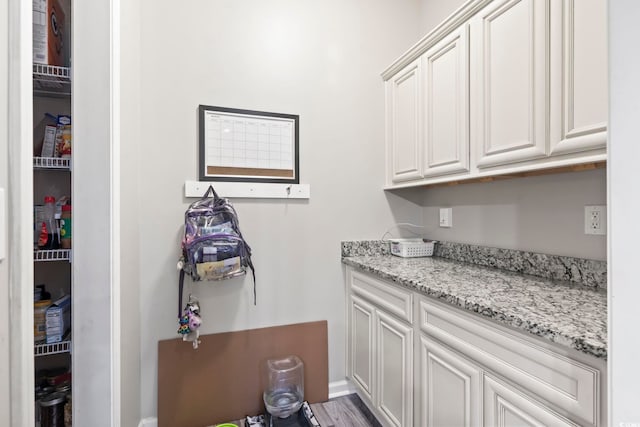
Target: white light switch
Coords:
[(3, 226), (446, 217)]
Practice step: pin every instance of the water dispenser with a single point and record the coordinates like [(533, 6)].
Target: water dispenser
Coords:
[(284, 392)]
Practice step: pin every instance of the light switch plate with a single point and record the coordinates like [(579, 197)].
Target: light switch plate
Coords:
[(446, 217), (3, 226)]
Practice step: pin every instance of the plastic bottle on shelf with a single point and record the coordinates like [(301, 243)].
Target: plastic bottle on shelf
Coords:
[(49, 230), (65, 227)]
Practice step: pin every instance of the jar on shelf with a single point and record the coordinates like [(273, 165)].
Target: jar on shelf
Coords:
[(49, 238), (40, 320), (68, 411), (52, 410), (65, 227)]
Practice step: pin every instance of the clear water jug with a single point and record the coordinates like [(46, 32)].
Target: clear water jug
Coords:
[(284, 391)]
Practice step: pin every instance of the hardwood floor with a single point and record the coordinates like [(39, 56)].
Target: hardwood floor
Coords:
[(344, 411)]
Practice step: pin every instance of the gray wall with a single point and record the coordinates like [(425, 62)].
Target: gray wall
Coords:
[(4, 183), (541, 214), (129, 239), (321, 60), (433, 12)]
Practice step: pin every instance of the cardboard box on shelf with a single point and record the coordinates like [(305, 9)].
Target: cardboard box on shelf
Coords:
[(58, 319), (48, 29), (49, 141)]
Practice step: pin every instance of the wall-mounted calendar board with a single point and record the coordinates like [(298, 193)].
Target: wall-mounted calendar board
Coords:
[(248, 146)]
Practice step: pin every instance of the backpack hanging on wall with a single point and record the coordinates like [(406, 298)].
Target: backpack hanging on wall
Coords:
[(212, 249)]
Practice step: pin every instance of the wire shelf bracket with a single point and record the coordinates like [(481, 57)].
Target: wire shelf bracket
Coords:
[(51, 163), (52, 255), (55, 348), (51, 80)]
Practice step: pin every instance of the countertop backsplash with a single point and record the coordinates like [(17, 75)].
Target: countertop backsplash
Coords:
[(586, 272)]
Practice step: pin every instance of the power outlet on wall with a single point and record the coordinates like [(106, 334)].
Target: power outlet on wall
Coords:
[(446, 217), (595, 219)]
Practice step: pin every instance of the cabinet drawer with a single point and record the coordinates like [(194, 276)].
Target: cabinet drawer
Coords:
[(390, 298), (567, 384)]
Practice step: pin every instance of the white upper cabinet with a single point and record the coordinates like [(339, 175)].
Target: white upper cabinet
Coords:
[(404, 136), (446, 119), (500, 87), (509, 45), (578, 76)]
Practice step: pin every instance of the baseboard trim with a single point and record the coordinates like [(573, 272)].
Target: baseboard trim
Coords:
[(148, 422), (336, 389), (340, 388)]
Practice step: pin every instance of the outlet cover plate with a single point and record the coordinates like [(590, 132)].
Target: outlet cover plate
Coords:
[(446, 217), (595, 219)]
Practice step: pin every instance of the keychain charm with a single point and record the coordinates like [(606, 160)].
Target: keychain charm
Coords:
[(190, 322)]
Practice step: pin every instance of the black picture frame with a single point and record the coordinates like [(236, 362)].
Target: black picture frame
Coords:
[(222, 172)]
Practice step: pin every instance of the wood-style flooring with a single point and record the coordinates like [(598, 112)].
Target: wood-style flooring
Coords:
[(344, 411)]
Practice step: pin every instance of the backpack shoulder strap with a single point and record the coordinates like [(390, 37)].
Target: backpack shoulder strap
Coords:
[(180, 291)]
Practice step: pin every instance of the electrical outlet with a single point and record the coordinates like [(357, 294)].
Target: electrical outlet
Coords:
[(595, 219), (446, 217)]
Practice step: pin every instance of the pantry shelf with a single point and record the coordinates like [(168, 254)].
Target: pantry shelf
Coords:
[(51, 163), (56, 348), (52, 255), (50, 80)]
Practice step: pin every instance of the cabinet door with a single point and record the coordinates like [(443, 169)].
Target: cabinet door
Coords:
[(403, 127), (394, 387), (509, 96), (361, 345), (506, 407), (450, 387), (446, 118), (578, 75)]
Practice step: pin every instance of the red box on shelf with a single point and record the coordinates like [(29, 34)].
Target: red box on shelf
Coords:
[(48, 30)]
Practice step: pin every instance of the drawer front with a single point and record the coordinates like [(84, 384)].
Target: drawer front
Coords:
[(565, 383), (390, 298)]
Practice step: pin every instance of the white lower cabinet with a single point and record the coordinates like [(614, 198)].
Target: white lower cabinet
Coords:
[(446, 367), (361, 346), (380, 355), (450, 387), (504, 406), (395, 370)]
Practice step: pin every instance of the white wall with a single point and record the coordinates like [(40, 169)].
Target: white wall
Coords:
[(320, 60), (624, 230), (541, 214), (96, 203), (433, 12), (4, 183), (130, 133)]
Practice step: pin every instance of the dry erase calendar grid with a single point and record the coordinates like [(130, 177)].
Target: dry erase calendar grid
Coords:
[(248, 142)]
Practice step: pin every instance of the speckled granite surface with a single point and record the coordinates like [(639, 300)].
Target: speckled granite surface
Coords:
[(562, 312), (365, 247), (582, 271)]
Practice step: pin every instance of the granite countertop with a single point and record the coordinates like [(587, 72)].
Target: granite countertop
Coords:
[(562, 312)]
